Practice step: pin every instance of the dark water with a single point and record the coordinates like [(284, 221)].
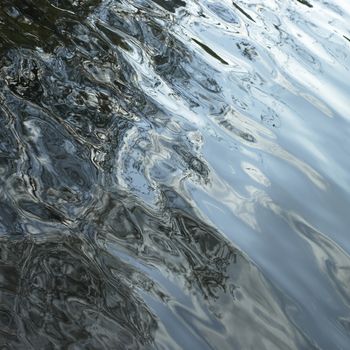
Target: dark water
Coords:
[(174, 174)]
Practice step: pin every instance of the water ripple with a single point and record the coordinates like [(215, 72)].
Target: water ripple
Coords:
[(174, 174)]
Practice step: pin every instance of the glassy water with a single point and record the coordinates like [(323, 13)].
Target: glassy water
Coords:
[(174, 174)]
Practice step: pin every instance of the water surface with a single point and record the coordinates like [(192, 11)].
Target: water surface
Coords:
[(174, 174)]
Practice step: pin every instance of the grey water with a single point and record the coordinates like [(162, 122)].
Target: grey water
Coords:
[(175, 174)]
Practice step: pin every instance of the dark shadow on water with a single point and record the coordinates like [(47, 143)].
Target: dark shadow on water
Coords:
[(52, 295)]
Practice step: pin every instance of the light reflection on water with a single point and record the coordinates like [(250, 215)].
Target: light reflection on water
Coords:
[(174, 174)]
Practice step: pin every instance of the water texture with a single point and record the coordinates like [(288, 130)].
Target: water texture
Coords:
[(174, 174)]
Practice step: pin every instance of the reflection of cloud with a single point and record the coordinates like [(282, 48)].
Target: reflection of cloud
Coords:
[(331, 259), (254, 135)]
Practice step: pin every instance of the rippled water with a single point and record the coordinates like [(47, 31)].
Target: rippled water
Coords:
[(174, 174)]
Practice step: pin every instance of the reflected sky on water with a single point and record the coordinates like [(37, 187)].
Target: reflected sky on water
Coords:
[(174, 174)]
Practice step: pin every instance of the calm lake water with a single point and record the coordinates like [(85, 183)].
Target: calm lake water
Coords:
[(175, 174)]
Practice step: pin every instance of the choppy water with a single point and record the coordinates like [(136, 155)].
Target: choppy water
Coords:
[(174, 174)]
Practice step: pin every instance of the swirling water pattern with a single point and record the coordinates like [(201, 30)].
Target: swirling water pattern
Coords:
[(174, 174)]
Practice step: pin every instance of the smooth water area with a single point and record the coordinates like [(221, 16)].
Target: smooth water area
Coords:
[(175, 174)]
